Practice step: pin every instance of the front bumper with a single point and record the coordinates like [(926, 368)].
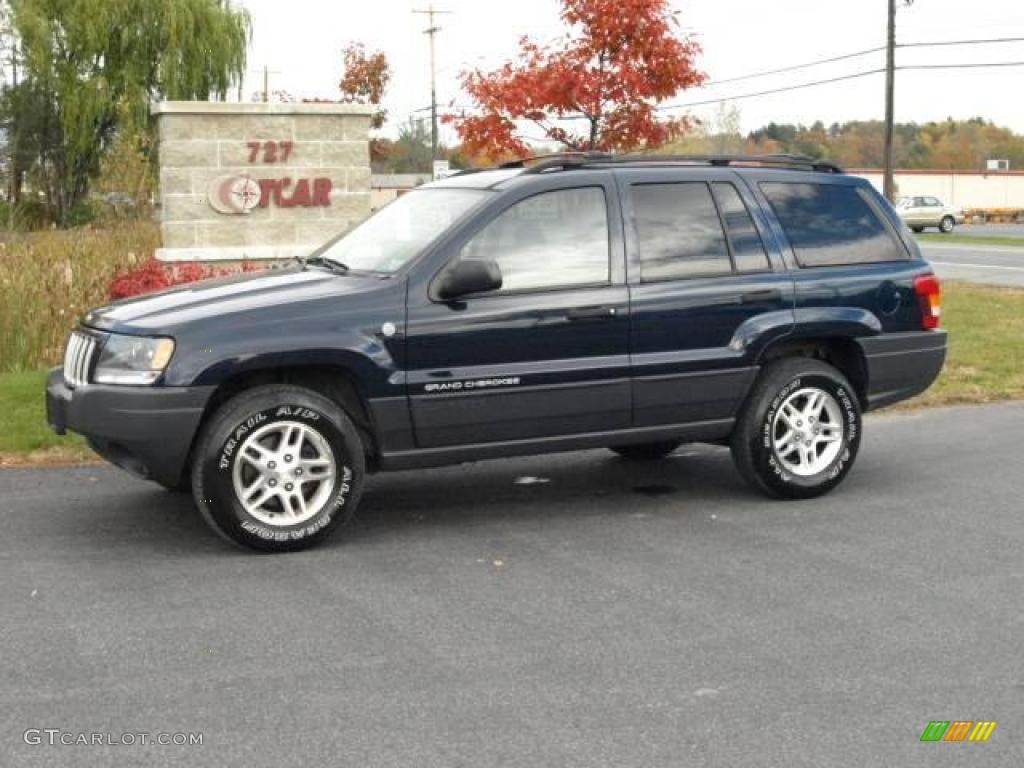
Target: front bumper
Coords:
[(147, 431), (901, 365)]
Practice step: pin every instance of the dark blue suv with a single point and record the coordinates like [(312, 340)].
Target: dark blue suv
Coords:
[(577, 301)]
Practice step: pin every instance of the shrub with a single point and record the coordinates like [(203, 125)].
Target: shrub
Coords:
[(153, 275), (49, 279)]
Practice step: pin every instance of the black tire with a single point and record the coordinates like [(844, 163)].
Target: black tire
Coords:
[(646, 451), (947, 224), (917, 230), (754, 436), (219, 448)]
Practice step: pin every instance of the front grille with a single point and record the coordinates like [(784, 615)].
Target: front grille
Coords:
[(78, 359)]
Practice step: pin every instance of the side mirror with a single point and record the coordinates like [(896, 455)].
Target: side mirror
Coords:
[(469, 276)]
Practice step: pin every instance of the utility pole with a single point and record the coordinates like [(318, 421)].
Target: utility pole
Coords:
[(265, 72), (432, 31), (888, 185)]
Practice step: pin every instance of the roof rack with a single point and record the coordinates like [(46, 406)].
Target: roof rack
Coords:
[(569, 160), (557, 160), (773, 160)]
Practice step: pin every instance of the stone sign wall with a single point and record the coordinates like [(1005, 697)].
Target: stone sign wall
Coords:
[(257, 181)]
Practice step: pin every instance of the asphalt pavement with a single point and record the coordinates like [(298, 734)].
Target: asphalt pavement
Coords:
[(989, 230), (995, 265), (571, 610)]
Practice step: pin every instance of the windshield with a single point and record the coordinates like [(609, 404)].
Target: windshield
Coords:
[(398, 232)]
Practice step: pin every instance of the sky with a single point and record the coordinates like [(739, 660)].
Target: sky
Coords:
[(300, 42)]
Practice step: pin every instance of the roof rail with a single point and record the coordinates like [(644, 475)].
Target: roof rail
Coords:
[(773, 160), (570, 159), (555, 160)]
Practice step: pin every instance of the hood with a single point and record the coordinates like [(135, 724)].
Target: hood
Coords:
[(163, 312)]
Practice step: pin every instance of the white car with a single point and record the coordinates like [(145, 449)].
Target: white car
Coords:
[(921, 212)]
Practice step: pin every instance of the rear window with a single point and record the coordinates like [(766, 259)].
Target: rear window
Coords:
[(831, 224)]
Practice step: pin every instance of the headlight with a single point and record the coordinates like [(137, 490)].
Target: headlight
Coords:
[(136, 360)]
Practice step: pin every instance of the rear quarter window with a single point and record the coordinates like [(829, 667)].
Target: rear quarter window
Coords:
[(831, 224)]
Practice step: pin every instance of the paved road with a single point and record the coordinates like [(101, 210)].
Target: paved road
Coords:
[(989, 230), (615, 615), (977, 264)]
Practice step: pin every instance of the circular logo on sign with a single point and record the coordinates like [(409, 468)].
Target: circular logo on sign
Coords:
[(234, 194)]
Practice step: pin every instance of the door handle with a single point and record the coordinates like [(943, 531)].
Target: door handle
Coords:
[(591, 313), (761, 297)]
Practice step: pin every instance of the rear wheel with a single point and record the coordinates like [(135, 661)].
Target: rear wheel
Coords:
[(278, 468), (799, 431), (918, 230), (946, 225), (646, 451)]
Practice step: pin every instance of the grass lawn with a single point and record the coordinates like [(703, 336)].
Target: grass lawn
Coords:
[(25, 437), (954, 238), (985, 364), (986, 346)]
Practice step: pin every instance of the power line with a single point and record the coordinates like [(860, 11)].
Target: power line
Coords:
[(858, 54), (793, 68), (854, 76), (978, 41), (781, 89), (973, 65)]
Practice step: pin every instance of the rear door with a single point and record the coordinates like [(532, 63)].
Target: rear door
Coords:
[(703, 272), (545, 356)]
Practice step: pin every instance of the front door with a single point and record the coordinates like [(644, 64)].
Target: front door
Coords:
[(547, 354), (699, 275)]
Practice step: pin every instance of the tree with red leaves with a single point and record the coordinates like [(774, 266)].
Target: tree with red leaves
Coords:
[(618, 61), (365, 78)]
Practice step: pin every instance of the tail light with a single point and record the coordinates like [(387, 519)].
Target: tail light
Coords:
[(929, 297)]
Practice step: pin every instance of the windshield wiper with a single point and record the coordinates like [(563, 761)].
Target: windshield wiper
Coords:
[(327, 261)]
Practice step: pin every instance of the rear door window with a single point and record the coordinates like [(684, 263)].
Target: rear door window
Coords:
[(831, 224), (678, 232)]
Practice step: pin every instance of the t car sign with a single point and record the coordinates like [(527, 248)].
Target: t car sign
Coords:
[(241, 194), (234, 194), (261, 180)]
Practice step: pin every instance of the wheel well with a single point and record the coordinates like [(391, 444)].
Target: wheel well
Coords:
[(334, 382), (842, 354)]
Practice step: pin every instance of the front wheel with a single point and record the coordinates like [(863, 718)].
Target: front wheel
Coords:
[(946, 225), (278, 468), (799, 432)]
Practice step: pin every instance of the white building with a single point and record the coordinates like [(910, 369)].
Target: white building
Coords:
[(964, 189)]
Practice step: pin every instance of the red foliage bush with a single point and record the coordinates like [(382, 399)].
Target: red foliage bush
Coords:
[(153, 275)]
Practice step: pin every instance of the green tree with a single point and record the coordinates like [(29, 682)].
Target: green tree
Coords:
[(409, 153), (97, 64)]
